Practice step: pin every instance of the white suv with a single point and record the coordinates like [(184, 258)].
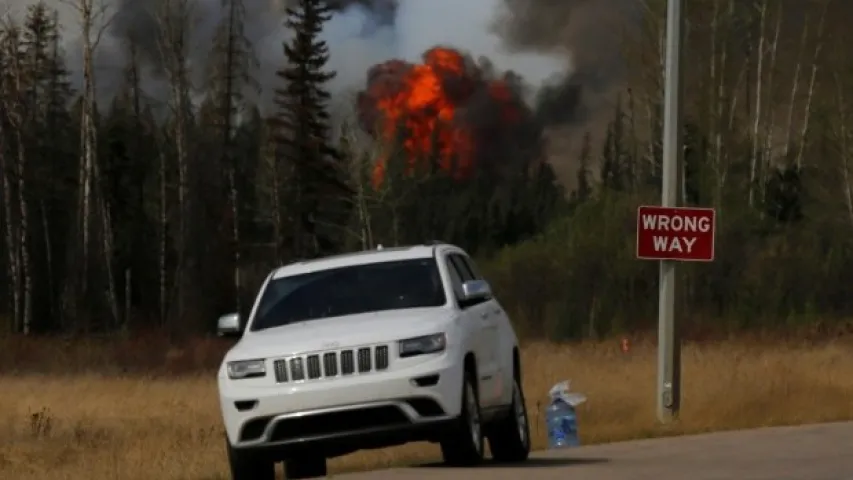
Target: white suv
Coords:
[(368, 350)]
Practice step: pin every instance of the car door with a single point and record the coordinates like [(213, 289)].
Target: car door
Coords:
[(474, 327), (501, 340), (481, 318)]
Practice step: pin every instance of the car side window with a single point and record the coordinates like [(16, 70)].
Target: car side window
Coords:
[(455, 278), (475, 274), (470, 268), (459, 262), (461, 273)]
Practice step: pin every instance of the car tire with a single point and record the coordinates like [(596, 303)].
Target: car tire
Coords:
[(464, 444), (509, 437), (245, 466), (305, 467)]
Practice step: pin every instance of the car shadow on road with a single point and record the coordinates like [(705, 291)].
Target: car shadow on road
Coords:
[(548, 462)]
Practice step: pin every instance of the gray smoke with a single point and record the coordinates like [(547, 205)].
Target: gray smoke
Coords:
[(362, 33), (593, 31), (559, 48)]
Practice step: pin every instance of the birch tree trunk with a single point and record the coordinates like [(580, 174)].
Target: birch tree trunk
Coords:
[(92, 205), (795, 88), (48, 252), (757, 113), (807, 109), (174, 23), (13, 96), (12, 249), (87, 151), (844, 146), (719, 71), (23, 235), (767, 133), (164, 237), (235, 234), (229, 158), (272, 160)]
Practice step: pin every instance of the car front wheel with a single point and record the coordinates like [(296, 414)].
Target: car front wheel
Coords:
[(305, 467), (464, 443), (245, 466), (509, 437)]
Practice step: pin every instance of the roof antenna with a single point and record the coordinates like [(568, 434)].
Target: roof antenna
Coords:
[(379, 247)]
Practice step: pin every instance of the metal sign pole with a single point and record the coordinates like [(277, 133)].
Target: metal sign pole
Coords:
[(669, 346)]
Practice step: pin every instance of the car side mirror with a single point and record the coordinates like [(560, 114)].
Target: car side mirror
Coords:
[(476, 290), (229, 325)]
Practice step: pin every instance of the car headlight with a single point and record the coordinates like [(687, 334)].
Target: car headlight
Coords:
[(422, 345), (246, 369)]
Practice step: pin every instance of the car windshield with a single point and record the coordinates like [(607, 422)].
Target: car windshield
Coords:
[(350, 290)]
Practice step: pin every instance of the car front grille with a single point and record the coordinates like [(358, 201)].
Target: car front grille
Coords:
[(338, 363)]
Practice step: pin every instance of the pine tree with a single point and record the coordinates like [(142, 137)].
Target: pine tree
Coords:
[(583, 190), (48, 92), (303, 137), (230, 72), (614, 174)]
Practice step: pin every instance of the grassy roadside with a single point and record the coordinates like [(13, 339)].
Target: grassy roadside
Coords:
[(122, 425)]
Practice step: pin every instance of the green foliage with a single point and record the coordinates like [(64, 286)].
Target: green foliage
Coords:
[(482, 213), (578, 278)]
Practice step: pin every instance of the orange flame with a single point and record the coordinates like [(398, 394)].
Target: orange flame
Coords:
[(425, 102)]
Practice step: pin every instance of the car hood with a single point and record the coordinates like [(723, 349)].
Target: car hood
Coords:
[(341, 332)]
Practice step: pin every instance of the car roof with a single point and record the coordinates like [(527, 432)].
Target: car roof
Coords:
[(377, 255)]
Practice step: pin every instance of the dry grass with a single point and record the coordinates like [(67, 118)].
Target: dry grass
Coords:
[(91, 426)]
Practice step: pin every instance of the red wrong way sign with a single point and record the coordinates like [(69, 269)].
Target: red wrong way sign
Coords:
[(675, 233)]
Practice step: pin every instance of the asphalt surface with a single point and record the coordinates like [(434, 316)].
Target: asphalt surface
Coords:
[(815, 452)]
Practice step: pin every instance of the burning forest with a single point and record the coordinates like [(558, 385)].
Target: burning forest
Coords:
[(448, 114)]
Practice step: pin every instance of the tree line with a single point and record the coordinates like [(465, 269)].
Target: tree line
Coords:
[(116, 217)]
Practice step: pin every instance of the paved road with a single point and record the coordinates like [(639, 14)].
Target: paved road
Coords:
[(816, 452)]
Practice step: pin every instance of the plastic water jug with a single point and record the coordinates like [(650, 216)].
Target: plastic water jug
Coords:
[(561, 416), (562, 425)]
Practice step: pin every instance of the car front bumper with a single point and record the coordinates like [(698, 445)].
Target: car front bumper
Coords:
[(342, 414)]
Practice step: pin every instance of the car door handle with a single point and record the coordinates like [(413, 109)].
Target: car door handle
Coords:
[(484, 315), (497, 311)]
